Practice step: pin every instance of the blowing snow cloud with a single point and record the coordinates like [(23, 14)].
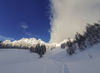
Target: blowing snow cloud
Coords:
[(71, 16)]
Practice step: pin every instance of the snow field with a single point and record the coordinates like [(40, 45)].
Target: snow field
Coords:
[(54, 61)]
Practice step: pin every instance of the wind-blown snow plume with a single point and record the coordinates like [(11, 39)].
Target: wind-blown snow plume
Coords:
[(71, 16)]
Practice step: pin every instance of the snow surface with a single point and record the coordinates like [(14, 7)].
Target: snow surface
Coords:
[(54, 61)]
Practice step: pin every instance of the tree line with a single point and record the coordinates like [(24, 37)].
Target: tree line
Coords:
[(40, 49), (36, 48), (81, 41)]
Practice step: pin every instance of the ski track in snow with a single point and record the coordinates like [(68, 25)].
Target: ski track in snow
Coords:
[(45, 67), (53, 61), (64, 68), (61, 65), (51, 58)]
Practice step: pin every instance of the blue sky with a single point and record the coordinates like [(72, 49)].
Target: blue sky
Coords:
[(24, 18), (31, 18)]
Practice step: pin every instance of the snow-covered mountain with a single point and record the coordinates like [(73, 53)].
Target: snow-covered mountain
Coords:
[(31, 42)]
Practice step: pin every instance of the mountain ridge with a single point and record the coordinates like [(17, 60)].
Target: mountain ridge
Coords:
[(30, 42)]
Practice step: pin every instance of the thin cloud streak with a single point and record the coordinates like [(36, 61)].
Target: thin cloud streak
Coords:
[(23, 25), (68, 17), (29, 34), (6, 38)]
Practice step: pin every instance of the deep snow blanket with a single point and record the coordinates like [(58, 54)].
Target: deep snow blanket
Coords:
[(54, 61)]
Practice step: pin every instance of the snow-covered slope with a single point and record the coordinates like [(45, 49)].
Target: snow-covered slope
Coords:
[(65, 41), (54, 61)]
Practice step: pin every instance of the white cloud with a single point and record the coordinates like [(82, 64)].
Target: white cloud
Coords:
[(23, 25), (29, 34), (69, 16), (6, 38)]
